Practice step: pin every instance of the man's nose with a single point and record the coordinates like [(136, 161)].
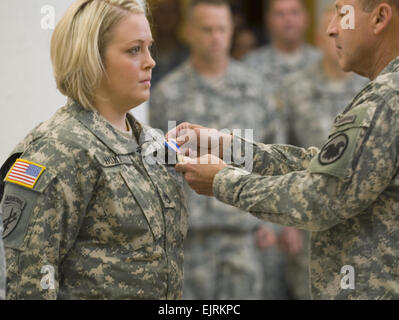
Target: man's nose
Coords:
[(332, 29)]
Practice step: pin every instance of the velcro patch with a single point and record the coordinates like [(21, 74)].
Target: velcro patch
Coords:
[(334, 149), (25, 173), (12, 210)]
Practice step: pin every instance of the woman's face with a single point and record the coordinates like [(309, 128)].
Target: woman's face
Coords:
[(128, 63)]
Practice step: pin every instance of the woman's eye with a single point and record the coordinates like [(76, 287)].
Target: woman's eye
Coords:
[(135, 50)]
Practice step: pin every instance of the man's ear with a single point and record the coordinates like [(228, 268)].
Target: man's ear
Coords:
[(382, 16)]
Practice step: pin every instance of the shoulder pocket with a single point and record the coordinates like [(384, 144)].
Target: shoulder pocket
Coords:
[(337, 156)]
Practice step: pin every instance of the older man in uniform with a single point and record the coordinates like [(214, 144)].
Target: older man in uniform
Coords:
[(220, 253), (311, 99), (347, 192)]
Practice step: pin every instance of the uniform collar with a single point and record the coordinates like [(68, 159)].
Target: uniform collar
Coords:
[(392, 67), (105, 132)]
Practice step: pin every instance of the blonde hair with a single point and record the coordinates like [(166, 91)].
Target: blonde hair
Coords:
[(78, 44)]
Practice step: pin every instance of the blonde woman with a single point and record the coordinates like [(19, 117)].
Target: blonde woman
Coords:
[(86, 215)]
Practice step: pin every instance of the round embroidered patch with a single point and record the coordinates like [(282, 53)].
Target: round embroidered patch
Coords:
[(333, 150)]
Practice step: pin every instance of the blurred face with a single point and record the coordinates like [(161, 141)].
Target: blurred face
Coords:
[(287, 20), (324, 42), (354, 47), (245, 43), (128, 63), (210, 31)]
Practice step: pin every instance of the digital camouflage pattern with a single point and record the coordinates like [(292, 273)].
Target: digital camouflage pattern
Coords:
[(220, 261), (351, 205), (274, 66), (2, 264), (101, 222), (310, 102)]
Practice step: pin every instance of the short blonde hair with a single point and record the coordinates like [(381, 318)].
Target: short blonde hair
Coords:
[(78, 44)]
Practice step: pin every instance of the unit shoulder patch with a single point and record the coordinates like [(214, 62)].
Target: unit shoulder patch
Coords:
[(334, 150), (12, 210)]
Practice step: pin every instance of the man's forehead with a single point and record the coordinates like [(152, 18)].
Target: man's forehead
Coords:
[(341, 3)]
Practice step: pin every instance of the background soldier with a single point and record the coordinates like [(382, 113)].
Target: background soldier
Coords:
[(346, 193), (286, 22), (220, 257), (311, 99)]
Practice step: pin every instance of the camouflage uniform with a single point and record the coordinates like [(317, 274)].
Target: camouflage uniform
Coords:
[(220, 254), (311, 101), (346, 194), (269, 63), (274, 67), (101, 222), (2, 263)]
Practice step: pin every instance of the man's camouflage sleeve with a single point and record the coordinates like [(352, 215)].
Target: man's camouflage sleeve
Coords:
[(50, 218), (294, 187)]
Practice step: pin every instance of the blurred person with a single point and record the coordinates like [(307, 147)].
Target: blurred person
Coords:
[(344, 193), (220, 251), (86, 215), (311, 99), (286, 22), (169, 51), (244, 42)]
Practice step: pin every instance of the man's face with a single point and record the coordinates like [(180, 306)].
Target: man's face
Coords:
[(324, 42), (210, 31), (354, 47), (287, 20)]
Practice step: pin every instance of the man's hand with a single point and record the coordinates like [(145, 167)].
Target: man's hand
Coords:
[(265, 237), (291, 240), (199, 173), (196, 141)]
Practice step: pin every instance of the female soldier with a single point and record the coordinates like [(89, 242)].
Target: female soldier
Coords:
[(85, 215)]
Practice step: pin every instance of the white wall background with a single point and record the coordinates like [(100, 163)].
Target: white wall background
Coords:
[(28, 92)]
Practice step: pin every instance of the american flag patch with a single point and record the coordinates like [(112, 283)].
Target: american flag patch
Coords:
[(25, 173)]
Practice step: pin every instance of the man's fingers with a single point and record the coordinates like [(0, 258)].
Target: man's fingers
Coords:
[(181, 167)]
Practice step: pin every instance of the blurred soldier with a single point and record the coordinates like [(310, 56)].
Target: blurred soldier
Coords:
[(244, 42), (286, 22), (169, 52), (220, 258), (346, 193), (311, 99), (2, 263)]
